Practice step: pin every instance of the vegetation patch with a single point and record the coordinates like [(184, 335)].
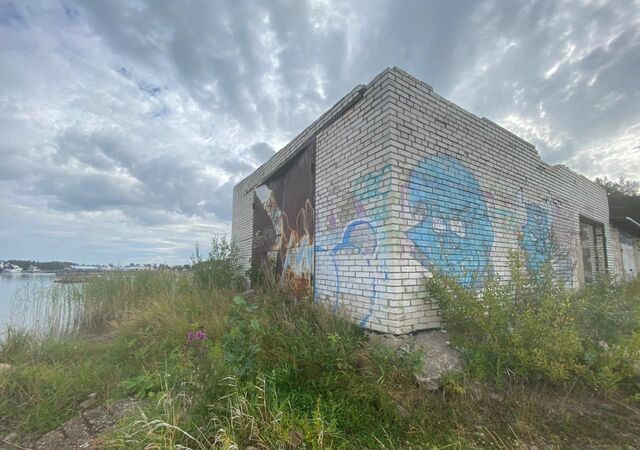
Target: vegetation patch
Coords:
[(216, 369), (534, 328)]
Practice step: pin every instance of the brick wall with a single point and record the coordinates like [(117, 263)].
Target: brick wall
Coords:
[(472, 192), (353, 183), (407, 182)]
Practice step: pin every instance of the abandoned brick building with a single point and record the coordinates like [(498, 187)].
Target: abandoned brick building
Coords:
[(395, 181)]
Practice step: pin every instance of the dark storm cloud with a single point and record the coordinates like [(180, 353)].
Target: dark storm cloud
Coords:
[(139, 117)]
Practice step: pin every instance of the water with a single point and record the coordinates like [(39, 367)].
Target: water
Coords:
[(13, 287)]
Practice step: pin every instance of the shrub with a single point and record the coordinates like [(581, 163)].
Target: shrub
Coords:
[(534, 327), (221, 269)]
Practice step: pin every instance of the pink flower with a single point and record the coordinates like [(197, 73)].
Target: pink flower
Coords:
[(201, 335)]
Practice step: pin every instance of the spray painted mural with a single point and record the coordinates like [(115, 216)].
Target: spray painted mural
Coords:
[(283, 224), (458, 222), (454, 233), (453, 229), (357, 249), (355, 240), (454, 223)]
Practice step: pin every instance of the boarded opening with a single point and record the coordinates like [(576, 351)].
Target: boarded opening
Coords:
[(594, 249), (283, 224)]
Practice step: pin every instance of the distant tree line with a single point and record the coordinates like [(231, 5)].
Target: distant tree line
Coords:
[(45, 266), (624, 197)]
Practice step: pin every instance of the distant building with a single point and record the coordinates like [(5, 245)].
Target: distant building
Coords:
[(394, 182)]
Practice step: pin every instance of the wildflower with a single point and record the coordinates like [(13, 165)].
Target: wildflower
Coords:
[(201, 335)]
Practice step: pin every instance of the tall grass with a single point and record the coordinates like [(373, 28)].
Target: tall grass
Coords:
[(213, 369), (46, 310)]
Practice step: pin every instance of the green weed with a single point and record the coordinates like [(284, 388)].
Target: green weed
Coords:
[(534, 328)]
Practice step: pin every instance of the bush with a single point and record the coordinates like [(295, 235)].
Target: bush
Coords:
[(534, 327), (221, 269)]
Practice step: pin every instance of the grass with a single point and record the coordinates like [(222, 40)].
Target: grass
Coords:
[(273, 372)]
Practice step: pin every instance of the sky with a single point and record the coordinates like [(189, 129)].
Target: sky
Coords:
[(125, 125)]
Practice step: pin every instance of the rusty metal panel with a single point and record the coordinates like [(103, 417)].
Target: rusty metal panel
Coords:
[(283, 223)]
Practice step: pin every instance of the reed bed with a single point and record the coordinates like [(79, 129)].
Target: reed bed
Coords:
[(60, 310)]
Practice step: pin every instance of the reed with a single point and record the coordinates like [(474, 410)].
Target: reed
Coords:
[(60, 310)]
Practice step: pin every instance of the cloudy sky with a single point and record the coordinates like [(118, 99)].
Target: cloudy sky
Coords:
[(125, 125)]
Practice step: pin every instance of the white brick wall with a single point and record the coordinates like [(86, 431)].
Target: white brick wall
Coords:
[(384, 213), (353, 260), (506, 183)]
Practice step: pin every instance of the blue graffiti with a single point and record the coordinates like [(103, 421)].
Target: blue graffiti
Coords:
[(454, 234), (536, 240), (360, 238)]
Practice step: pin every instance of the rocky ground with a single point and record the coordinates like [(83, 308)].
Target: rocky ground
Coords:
[(439, 356), (81, 432)]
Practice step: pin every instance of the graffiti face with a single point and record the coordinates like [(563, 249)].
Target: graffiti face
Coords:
[(536, 236), (454, 234)]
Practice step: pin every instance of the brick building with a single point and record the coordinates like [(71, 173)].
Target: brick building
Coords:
[(394, 181)]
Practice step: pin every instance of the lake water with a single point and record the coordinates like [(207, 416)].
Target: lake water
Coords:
[(12, 285)]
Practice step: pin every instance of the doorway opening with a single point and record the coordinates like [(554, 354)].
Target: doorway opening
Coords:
[(594, 249)]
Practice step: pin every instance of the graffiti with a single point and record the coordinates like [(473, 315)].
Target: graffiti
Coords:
[(298, 258), (536, 241), (354, 239), (454, 233), (283, 224), (357, 249), (506, 207), (264, 238), (370, 190)]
